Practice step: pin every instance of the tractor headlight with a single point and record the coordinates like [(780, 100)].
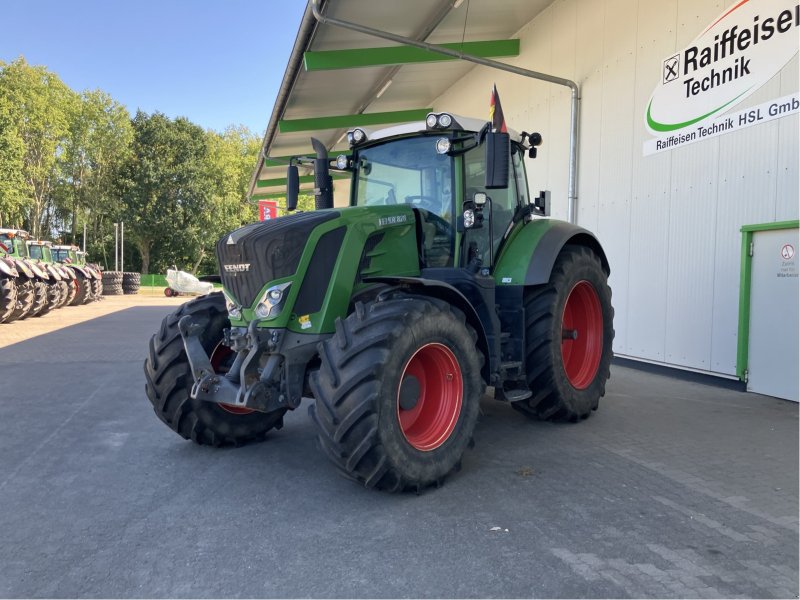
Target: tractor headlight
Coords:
[(443, 146), (341, 161), (430, 121), (272, 301), (469, 218), (445, 120), (234, 311)]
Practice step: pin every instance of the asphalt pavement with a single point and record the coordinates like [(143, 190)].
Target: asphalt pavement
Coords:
[(673, 488)]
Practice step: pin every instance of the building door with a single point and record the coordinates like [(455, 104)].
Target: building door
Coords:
[(773, 356)]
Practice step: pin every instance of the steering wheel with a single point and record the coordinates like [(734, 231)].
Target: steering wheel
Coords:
[(426, 202)]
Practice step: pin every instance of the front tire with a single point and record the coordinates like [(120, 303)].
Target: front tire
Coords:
[(8, 298), (569, 332), (397, 393), (169, 382)]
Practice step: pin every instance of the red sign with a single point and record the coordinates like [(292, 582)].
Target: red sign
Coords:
[(267, 209)]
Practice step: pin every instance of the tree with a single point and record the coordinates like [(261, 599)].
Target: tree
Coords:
[(14, 190), (165, 188), (98, 145), (38, 103)]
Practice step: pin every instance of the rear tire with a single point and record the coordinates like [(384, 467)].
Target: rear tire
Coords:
[(26, 295), (83, 289), (8, 298), (169, 382), (567, 374), (397, 393)]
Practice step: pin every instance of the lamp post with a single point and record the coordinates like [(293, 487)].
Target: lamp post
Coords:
[(116, 246)]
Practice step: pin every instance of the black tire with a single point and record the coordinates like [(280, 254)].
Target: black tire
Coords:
[(568, 391), (357, 411), (25, 298), (113, 289), (53, 297), (65, 288), (97, 289), (40, 293), (83, 290), (130, 279), (8, 298), (169, 381)]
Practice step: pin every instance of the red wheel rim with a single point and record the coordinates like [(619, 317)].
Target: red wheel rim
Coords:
[(218, 359), (582, 335), (431, 414)]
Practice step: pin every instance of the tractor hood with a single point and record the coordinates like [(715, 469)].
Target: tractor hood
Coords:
[(256, 254)]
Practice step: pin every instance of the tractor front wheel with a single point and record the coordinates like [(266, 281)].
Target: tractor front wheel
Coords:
[(569, 330), (169, 382), (8, 298), (398, 392)]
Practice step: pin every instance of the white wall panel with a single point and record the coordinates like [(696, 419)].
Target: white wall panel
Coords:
[(670, 221), (690, 271), (616, 151), (650, 196)]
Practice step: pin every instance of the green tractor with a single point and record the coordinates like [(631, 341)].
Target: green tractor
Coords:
[(8, 285), (72, 259), (396, 313), (62, 291), (32, 280)]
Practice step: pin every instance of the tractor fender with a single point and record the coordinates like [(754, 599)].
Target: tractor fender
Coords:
[(68, 273), (83, 271), (446, 292), (530, 254), (7, 267), (53, 272), (24, 268), (38, 270)]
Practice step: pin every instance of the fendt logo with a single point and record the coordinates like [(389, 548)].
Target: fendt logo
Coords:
[(735, 55), (237, 268)]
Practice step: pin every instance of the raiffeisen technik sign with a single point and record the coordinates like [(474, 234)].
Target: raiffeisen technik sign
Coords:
[(742, 49)]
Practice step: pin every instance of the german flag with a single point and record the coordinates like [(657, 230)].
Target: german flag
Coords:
[(496, 112)]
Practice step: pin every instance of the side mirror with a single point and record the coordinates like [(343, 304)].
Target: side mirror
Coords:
[(498, 159), (292, 187)]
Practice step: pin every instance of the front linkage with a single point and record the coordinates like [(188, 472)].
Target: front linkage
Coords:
[(277, 385)]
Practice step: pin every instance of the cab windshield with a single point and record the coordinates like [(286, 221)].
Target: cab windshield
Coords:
[(35, 251), (409, 171), (60, 255)]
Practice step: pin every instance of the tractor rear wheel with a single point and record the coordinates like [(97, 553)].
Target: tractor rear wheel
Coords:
[(569, 330), (25, 298), (169, 382), (40, 304), (83, 289), (398, 392), (8, 298)]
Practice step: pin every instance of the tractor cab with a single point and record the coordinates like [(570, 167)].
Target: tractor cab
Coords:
[(13, 241)]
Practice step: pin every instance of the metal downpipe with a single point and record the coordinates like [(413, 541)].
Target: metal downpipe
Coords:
[(575, 91)]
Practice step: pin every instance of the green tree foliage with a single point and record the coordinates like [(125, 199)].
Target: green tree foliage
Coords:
[(71, 160), (166, 188), (38, 105), (98, 145), (14, 190)]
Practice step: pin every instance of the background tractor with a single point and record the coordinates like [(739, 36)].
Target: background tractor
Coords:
[(396, 313), (32, 278), (61, 291), (83, 274)]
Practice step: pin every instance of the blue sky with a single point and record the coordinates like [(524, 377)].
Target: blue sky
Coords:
[(217, 63)]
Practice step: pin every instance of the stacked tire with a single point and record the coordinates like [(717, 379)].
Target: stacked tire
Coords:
[(112, 283), (131, 282)]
